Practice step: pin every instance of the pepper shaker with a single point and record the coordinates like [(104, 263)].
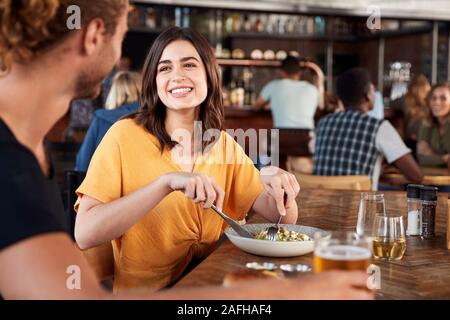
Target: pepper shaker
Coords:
[(428, 199)]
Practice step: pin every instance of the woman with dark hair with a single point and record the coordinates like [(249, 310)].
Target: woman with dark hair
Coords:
[(173, 143), (433, 141), (43, 66)]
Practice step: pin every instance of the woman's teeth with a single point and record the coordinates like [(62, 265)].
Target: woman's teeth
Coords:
[(181, 90)]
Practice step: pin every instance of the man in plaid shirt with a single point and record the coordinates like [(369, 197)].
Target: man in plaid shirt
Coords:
[(353, 143)]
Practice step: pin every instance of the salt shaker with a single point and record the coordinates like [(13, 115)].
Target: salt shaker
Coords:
[(414, 209), (428, 199)]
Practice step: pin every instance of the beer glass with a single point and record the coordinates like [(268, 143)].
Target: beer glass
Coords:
[(389, 242), (370, 205), (341, 250)]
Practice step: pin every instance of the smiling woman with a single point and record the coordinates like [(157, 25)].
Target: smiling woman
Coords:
[(433, 147), (128, 193)]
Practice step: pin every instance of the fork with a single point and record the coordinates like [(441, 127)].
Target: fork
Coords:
[(272, 231)]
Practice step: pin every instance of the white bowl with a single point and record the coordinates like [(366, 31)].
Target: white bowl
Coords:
[(269, 248)]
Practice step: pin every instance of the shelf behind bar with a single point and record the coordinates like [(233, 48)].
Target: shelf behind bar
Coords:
[(145, 29), (291, 36), (249, 63)]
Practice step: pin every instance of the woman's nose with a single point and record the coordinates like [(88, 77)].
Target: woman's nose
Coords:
[(178, 78), (178, 74)]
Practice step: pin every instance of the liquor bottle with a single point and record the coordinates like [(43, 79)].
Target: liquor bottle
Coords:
[(186, 19), (250, 95), (178, 15), (240, 93), (247, 24), (233, 98), (236, 22)]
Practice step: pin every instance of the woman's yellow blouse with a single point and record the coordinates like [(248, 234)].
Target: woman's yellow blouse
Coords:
[(156, 250)]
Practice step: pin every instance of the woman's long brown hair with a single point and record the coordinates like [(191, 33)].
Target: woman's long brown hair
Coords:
[(152, 114)]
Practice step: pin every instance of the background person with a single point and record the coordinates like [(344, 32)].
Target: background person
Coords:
[(433, 147), (121, 101), (353, 143), (415, 109), (293, 102)]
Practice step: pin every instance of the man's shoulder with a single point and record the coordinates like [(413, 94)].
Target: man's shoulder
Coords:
[(273, 83), (306, 85), (14, 158)]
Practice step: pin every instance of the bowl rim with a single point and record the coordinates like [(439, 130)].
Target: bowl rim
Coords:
[(275, 243)]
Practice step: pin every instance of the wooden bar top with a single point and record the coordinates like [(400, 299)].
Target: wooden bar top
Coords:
[(423, 273)]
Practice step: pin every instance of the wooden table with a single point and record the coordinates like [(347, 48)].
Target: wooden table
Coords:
[(435, 176), (424, 271)]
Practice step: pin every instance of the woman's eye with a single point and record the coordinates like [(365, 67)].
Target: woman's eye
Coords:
[(162, 69), (189, 65)]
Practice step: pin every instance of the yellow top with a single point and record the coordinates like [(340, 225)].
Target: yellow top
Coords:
[(156, 250)]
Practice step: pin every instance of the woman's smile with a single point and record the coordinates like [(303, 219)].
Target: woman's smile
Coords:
[(180, 91)]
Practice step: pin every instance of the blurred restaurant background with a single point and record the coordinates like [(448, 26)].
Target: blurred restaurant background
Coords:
[(394, 40)]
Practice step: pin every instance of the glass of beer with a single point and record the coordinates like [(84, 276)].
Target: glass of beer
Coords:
[(341, 250), (389, 242)]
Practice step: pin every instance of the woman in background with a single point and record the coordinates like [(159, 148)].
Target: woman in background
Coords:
[(433, 141), (415, 109), (121, 101)]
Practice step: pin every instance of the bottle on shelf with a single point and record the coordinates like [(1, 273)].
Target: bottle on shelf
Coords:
[(247, 24), (320, 25), (178, 14), (310, 26), (290, 25), (226, 97), (229, 23), (259, 25), (186, 18), (150, 18), (233, 93), (240, 94), (302, 25), (236, 22), (250, 95)]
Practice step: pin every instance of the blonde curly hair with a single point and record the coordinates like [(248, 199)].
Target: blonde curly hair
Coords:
[(30, 27)]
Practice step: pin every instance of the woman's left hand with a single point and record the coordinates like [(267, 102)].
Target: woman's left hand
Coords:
[(278, 183)]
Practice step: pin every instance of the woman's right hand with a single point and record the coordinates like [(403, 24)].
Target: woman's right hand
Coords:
[(197, 186)]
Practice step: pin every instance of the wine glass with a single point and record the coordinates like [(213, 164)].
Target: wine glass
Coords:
[(389, 241)]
